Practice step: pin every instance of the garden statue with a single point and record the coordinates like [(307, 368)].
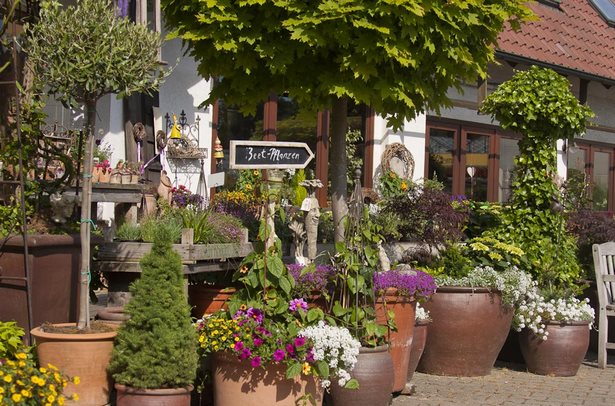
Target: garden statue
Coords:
[(164, 187), (297, 226), (310, 205), (62, 207)]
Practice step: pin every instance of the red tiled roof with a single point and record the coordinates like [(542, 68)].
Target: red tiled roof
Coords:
[(575, 36)]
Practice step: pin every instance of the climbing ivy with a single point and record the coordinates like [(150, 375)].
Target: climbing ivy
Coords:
[(538, 104)]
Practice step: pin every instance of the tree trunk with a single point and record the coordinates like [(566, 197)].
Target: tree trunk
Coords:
[(339, 165), (86, 218)]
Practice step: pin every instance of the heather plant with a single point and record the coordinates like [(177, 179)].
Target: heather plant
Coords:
[(182, 197), (590, 227), (156, 347), (311, 278), (244, 206), (413, 284)]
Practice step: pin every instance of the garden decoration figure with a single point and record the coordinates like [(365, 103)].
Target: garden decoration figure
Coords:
[(62, 207), (175, 131), (297, 226), (310, 205), (164, 187)]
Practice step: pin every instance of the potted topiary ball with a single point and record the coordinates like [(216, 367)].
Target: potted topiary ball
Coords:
[(155, 357)]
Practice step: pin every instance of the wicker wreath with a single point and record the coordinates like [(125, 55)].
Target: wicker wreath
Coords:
[(400, 152), (161, 140)]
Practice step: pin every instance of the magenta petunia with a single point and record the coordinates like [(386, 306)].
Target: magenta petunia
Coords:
[(256, 361), (278, 355), (239, 346), (299, 341), (258, 342)]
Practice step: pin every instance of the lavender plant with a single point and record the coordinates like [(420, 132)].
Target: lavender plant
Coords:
[(311, 278), (413, 284)]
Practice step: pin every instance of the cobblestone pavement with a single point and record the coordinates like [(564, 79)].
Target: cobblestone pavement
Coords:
[(510, 384)]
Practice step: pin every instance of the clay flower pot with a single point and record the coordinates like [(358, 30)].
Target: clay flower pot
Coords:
[(128, 396), (84, 355), (374, 371), (419, 339), (238, 383), (400, 341), (561, 354), (469, 328), (208, 299)]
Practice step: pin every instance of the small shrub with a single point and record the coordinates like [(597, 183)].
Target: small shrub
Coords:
[(150, 225), (128, 232), (10, 339)]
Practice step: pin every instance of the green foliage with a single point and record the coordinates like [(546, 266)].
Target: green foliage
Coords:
[(156, 347), (390, 185), (299, 192), (81, 53), (325, 227), (539, 104), (484, 216), (128, 232), (10, 339), (150, 226), (355, 158), (398, 57), (356, 260)]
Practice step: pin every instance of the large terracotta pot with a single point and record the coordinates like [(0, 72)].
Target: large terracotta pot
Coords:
[(208, 299), (84, 355), (400, 341), (418, 345), (236, 382), (468, 330), (374, 371), (128, 396), (561, 354)]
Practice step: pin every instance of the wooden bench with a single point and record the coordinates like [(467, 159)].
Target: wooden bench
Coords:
[(604, 266)]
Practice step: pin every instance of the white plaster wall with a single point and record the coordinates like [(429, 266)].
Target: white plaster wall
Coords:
[(412, 136), (185, 90)]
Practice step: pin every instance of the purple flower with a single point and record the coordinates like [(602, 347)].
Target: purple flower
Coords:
[(245, 354), (297, 304), (313, 279), (299, 341), (416, 284), (258, 342), (255, 314), (256, 361), (239, 346), (278, 355), (309, 357), (290, 350)]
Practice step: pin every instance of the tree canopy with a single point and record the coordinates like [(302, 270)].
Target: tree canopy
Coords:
[(398, 56)]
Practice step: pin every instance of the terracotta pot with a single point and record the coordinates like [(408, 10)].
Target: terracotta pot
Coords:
[(208, 299), (134, 178), (418, 345), (128, 396), (238, 383), (96, 174), (112, 315), (468, 331), (561, 354), (84, 355), (374, 371), (400, 341), (105, 176)]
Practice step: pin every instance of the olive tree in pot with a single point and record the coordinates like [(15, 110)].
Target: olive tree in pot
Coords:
[(154, 360), (82, 53)]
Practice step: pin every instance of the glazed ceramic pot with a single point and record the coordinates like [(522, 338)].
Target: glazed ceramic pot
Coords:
[(84, 355), (400, 341), (468, 329), (238, 383), (419, 339), (208, 299), (561, 354), (374, 371), (128, 396)]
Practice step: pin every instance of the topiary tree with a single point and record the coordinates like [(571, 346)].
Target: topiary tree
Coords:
[(156, 347), (82, 53), (399, 57), (538, 104)]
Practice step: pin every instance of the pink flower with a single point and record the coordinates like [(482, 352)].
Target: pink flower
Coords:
[(299, 341), (258, 342), (256, 362), (297, 304), (278, 355)]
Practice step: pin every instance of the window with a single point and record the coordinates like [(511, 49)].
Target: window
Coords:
[(590, 176)]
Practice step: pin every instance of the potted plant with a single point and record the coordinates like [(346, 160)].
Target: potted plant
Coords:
[(479, 283), (263, 350), (23, 381), (154, 359), (419, 338), (554, 331), (60, 47), (313, 282), (354, 306), (398, 291)]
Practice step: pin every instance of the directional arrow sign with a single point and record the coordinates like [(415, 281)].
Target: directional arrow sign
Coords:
[(269, 155)]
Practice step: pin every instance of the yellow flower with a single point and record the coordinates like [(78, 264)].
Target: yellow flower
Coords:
[(43, 370), (1, 391), (255, 172), (8, 378), (404, 186), (25, 393), (392, 175), (75, 397), (306, 368), (51, 398), (76, 380), (244, 269), (243, 307), (248, 186), (21, 355), (16, 397)]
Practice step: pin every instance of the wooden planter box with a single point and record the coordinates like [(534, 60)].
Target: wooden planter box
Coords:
[(120, 262)]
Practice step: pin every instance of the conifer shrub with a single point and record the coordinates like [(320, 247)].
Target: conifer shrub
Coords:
[(156, 347)]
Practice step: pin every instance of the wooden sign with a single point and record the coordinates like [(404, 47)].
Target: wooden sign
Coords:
[(269, 155)]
